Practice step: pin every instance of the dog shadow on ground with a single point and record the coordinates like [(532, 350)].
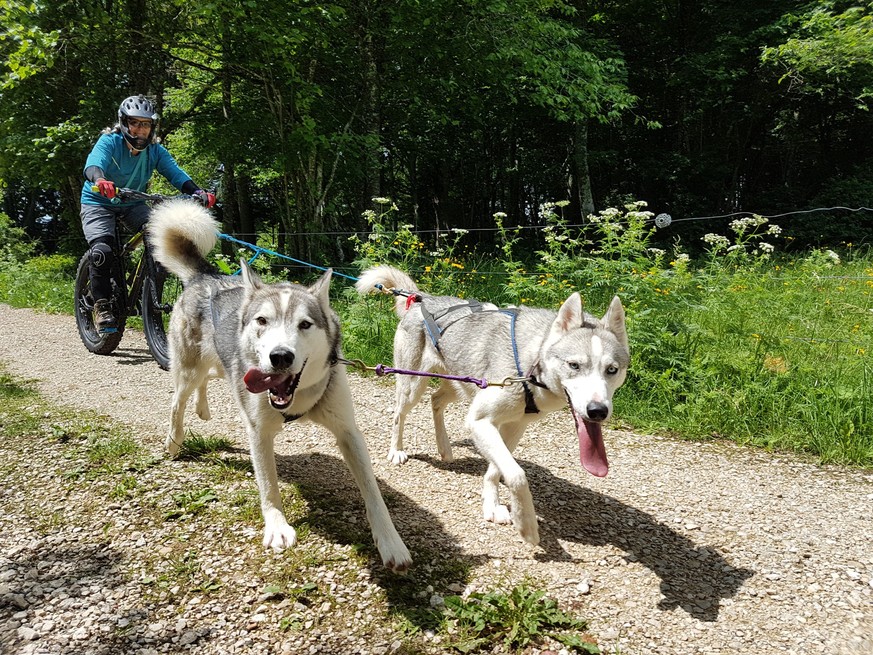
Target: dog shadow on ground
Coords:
[(693, 577), (336, 511)]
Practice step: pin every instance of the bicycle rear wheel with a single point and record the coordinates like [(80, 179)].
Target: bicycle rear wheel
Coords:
[(99, 343), (160, 290)]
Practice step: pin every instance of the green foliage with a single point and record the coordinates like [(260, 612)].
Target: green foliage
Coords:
[(832, 51), (45, 282), (518, 618), (15, 247)]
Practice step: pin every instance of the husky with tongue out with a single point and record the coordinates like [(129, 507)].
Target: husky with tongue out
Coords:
[(568, 357), (277, 345)]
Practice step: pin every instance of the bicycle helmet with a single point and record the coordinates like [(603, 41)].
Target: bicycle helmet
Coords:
[(137, 107)]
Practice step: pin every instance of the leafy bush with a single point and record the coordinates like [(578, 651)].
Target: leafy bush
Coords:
[(27, 280)]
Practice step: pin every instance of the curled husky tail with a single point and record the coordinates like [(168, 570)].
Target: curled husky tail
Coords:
[(182, 233), (386, 277)]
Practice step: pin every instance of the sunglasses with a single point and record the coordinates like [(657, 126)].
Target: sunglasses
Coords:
[(132, 122)]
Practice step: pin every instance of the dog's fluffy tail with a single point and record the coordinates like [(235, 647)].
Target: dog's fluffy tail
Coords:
[(181, 233), (386, 277)]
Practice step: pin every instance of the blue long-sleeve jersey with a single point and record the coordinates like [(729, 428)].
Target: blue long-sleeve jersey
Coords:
[(114, 158)]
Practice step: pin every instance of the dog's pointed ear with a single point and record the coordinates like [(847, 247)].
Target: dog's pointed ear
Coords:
[(614, 320), (321, 289), (250, 278), (571, 314)]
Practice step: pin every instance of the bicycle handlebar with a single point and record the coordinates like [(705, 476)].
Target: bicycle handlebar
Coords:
[(133, 194)]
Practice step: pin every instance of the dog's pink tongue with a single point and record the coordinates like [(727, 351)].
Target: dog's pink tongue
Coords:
[(257, 381), (592, 451)]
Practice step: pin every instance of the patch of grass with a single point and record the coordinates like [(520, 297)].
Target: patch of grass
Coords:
[(245, 505), (125, 487), (740, 343), (196, 446), (12, 389), (518, 618), (190, 503), (45, 282), (48, 523)]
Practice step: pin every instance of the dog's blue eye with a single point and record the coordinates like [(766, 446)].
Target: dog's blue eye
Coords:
[(304, 325), (573, 365), (612, 370)]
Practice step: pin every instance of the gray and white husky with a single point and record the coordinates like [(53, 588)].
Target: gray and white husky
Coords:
[(566, 356), (278, 348)]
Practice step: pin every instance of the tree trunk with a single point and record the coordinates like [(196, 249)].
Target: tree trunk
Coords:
[(581, 173)]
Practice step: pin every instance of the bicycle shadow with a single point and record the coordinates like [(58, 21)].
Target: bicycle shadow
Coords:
[(133, 356), (693, 577)]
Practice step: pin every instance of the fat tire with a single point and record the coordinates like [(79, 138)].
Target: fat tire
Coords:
[(96, 342), (160, 290)]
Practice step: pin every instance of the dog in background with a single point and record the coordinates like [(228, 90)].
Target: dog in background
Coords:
[(568, 357)]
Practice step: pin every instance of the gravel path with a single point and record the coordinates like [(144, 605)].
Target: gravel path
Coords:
[(684, 548)]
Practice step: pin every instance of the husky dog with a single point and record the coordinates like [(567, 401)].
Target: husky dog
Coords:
[(566, 356), (277, 345)]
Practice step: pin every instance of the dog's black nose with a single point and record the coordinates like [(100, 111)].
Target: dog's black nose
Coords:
[(597, 411), (281, 358)]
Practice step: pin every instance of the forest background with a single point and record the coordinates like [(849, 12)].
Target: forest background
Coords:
[(454, 110)]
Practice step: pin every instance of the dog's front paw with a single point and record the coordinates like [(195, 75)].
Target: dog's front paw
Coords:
[(497, 514), (395, 555), (172, 447), (528, 529), (278, 535), (397, 457)]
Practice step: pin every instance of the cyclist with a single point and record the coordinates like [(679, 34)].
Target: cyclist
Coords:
[(125, 155)]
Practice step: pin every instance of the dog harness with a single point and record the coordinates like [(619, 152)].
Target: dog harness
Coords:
[(435, 331)]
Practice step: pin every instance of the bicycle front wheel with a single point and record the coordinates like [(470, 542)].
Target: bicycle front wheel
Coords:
[(160, 290), (99, 343)]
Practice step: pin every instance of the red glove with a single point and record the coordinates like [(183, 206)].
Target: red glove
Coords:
[(106, 188), (208, 199)]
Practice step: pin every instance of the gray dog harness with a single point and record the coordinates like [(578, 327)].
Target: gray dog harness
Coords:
[(435, 331)]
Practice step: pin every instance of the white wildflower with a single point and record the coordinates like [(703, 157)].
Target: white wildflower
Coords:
[(657, 252), (774, 229), (381, 201), (683, 257), (834, 257), (716, 240)]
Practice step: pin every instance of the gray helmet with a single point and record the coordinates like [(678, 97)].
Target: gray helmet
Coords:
[(137, 107)]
